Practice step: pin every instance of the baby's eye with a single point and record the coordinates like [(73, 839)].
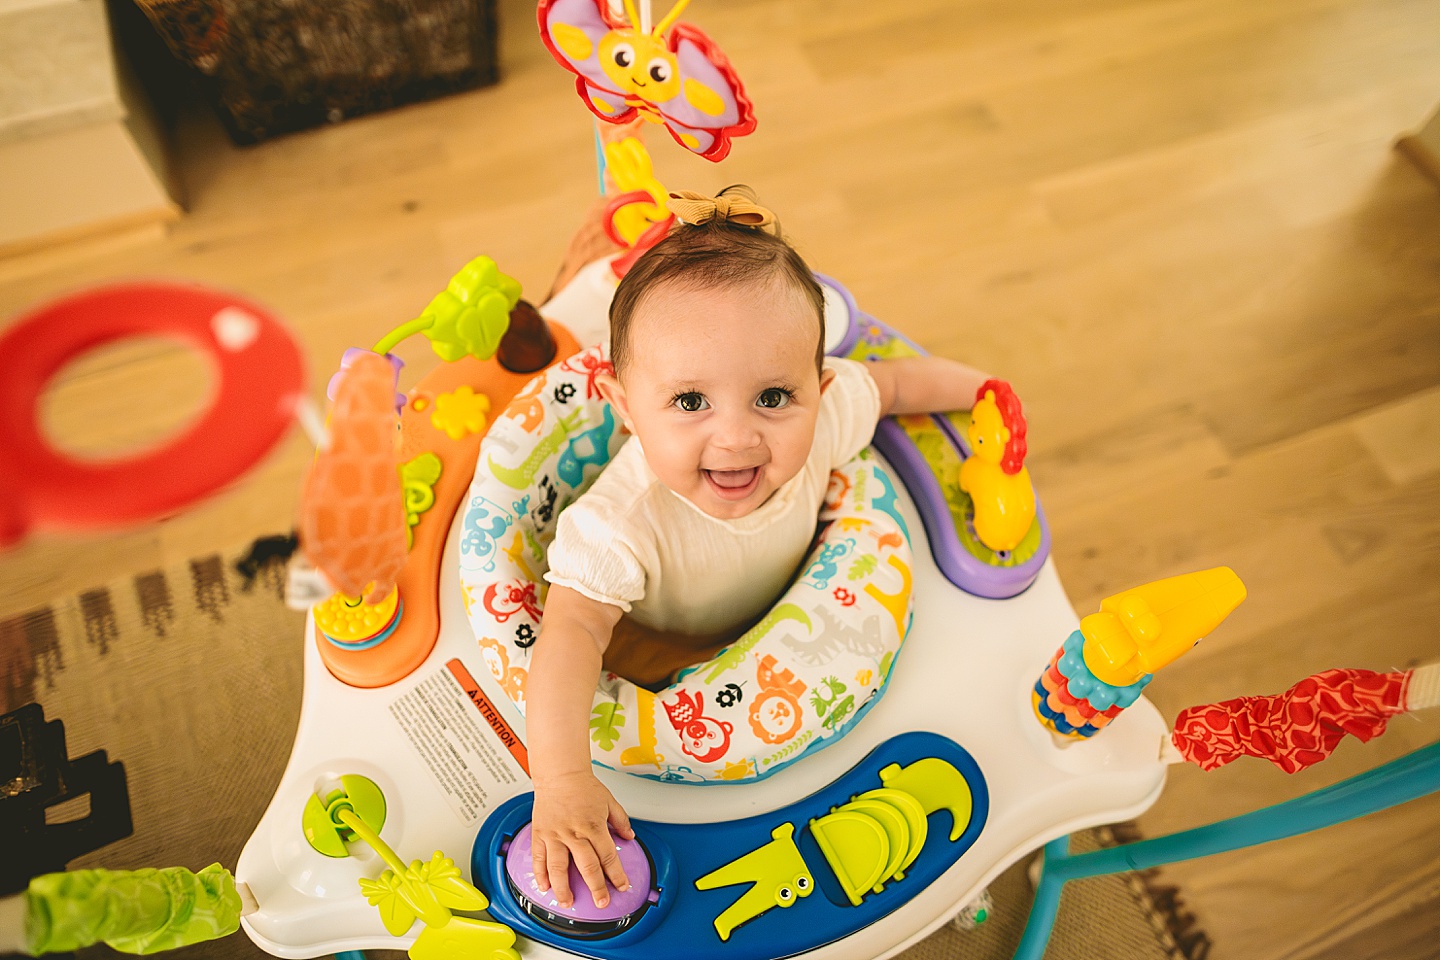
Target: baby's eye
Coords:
[(690, 402), (774, 398)]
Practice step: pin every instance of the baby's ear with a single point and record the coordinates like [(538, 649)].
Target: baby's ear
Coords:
[(611, 389), (827, 377)]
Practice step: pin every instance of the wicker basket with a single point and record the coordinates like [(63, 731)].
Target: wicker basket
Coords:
[(275, 66)]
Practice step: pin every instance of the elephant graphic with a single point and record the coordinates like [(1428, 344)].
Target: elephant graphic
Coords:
[(485, 523)]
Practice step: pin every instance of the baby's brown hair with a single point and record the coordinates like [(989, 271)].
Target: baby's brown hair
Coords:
[(736, 243)]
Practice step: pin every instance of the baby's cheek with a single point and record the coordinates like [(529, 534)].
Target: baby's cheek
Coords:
[(793, 449)]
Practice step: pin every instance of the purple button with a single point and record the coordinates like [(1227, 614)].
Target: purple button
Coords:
[(583, 917)]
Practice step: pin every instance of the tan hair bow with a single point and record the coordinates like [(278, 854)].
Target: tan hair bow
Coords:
[(734, 205)]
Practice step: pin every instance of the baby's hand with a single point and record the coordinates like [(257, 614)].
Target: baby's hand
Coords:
[(571, 815)]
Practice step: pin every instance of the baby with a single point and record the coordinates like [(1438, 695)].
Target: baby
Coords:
[(701, 520)]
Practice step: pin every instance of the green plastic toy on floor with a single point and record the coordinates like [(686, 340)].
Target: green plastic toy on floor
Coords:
[(134, 911)]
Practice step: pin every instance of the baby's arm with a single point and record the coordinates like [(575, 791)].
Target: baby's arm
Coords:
[(572, 806), (924, 384)]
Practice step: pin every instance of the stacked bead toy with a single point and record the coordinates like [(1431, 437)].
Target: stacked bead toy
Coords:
[(1102, 668), (1071, 700), (351, 624)]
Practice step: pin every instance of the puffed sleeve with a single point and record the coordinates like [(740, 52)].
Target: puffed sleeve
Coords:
[(593, 554), (849, 410)]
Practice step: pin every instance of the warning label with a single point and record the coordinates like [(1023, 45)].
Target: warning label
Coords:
[(458, 745), (492, 716)]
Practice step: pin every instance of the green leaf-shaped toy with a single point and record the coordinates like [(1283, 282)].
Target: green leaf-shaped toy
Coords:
[(472, 313), (384, 894), (449, 887)]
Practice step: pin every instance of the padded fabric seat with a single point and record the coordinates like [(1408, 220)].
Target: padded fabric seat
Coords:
[(797, 681)]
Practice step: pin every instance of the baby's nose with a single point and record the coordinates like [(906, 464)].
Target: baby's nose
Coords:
[(737, 432)]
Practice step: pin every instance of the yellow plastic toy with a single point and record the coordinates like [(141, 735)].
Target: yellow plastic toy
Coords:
[(994, 474), (937, 786), (351, 620), (629, 165), (915, 821), (857, 848), (1141, 630), (897, 832), (778, 875), (874, 838)]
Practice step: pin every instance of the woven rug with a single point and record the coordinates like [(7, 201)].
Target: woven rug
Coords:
[(191, 677)]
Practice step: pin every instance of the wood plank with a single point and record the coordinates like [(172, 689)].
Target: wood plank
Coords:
[(1404, 437)]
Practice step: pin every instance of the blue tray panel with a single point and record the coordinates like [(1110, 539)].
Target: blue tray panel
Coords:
[(683, 919)]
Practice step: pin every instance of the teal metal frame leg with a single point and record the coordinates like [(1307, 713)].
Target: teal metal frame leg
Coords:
[(1412, 776)]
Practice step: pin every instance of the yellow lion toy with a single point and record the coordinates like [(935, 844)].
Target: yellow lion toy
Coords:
[(994, 474)]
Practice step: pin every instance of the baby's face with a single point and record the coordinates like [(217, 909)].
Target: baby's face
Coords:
[(720, 387)]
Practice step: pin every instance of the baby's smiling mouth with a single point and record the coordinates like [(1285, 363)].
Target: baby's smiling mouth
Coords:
[(733, 484)]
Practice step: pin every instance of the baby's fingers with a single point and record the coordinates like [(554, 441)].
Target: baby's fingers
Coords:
[(620, 820), (557, 867), (589, 865), (610, 862), (537, 863)]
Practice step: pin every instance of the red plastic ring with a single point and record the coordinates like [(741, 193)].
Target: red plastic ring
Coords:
[(617, 203), (260, 377)]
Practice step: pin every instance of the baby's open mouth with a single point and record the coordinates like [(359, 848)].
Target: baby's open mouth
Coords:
[(733, 484)]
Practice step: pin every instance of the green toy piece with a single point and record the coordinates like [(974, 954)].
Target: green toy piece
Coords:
[(937, 785), (134, 911), (976, 912), (777, 872), (897, 832), (856, 847), (428, 892), (464, 937), (914, 815), (321, 821), (421, 891), (418, 478), (467, 318)]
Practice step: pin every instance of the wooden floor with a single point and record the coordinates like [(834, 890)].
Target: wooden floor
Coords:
[(1178, 227)]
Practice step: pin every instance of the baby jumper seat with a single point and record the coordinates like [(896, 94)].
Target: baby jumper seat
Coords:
[(793, 684)]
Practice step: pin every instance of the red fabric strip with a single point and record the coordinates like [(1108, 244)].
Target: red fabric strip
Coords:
[(1293, 729)]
